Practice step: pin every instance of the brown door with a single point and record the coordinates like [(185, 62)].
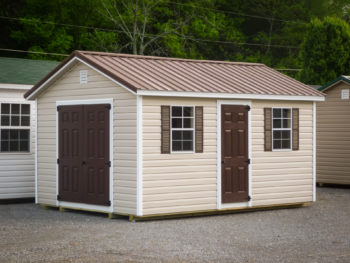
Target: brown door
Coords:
[(84, 154), (234, 153)]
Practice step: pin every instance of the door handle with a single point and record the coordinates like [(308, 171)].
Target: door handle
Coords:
[(83, 163)]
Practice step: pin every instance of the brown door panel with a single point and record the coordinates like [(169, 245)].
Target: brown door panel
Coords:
[(84, 154), (234, 153)]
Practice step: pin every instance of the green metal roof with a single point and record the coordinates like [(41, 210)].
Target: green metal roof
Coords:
[(332, 82), (24, 71)]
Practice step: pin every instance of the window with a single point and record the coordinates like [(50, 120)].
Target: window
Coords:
[(344, 94), (281, 129), (182, 129), (14, 127)]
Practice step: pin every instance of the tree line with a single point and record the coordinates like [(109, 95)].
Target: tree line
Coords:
[(310, 35)]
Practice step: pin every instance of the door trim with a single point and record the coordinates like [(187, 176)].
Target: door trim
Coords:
[(219, 204), (111, 175)]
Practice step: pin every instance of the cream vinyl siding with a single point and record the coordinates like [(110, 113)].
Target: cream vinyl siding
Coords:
[(178, 182), (17, 169), (68, 87), (333, 137), (281, 177)]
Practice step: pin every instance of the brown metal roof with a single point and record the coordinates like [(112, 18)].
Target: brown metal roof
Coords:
[(149, 73)]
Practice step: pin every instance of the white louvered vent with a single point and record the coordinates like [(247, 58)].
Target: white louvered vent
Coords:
[(344, 94), (83, 76)]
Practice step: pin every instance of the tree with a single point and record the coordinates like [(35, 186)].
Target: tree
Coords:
[(325, 52)]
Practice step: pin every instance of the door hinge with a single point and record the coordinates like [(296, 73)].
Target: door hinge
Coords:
[(108, 164), (58, 197), (58, 161), (108, 106), (248, 161), (58, 108), (247, 108), (249, 198), (109, 203)]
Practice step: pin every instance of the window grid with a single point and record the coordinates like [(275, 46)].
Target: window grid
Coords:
[(281, 129), (184, 120), (14, 127)]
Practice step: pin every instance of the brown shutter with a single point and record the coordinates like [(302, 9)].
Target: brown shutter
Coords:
[(268, 128), (199, 129), (165, 129), (295, 128)]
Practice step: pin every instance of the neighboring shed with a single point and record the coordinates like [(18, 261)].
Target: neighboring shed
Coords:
[(145, 136), (333, 133), (17, 125)]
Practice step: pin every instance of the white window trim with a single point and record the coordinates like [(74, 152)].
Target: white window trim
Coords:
[(284, 129), (345, 94), (110, 208), (219, 204), (9, 127), (183, 129)]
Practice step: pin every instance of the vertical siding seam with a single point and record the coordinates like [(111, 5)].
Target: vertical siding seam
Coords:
[(139, 149), (36, 151)]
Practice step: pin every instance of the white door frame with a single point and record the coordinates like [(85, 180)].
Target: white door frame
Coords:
[(111, 175), (218, 121)]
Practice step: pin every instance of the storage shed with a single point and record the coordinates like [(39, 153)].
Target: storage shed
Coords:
[(333, 133), (17, 126), (145, 136)]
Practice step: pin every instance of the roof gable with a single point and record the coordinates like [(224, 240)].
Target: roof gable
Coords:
[(333, 82), (159, 74)]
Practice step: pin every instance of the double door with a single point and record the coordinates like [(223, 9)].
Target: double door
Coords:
[(83, 162)]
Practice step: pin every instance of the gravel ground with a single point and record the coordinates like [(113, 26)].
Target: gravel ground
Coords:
[(318, 233)]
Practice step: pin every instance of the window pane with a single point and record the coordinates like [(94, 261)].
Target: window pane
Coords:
[(14, 120), (188, 146), (25, 109), (286, 144), (14, 146), (277, 134), (24, 146), (285, 134), (176, 111), (5, 120), (14, 134), (5, 135), (177, 135), (24, 134), (187, 135), (277, 113), (286, 123), (177, 146), (277, 144), (176, 123), (5, 108), (14, 108), (277, 123), (5, 146), (188, 111), (25, 121), (286, 113), (188, 122)]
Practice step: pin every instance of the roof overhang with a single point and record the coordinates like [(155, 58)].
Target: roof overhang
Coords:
[(228, 95), (12, 86), (334, 82)]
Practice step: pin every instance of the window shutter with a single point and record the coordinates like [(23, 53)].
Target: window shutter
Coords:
[(199, 129), (295, 129), (268, 128), (165, 129)]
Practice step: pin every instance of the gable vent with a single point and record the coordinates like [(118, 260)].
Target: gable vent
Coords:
[(83, 76)]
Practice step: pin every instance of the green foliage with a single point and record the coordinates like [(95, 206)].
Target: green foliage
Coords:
[(325, 52)]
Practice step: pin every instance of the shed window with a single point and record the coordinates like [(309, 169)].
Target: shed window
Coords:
[(182, 129), (281, 128), (344, 94), (14, 127)]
